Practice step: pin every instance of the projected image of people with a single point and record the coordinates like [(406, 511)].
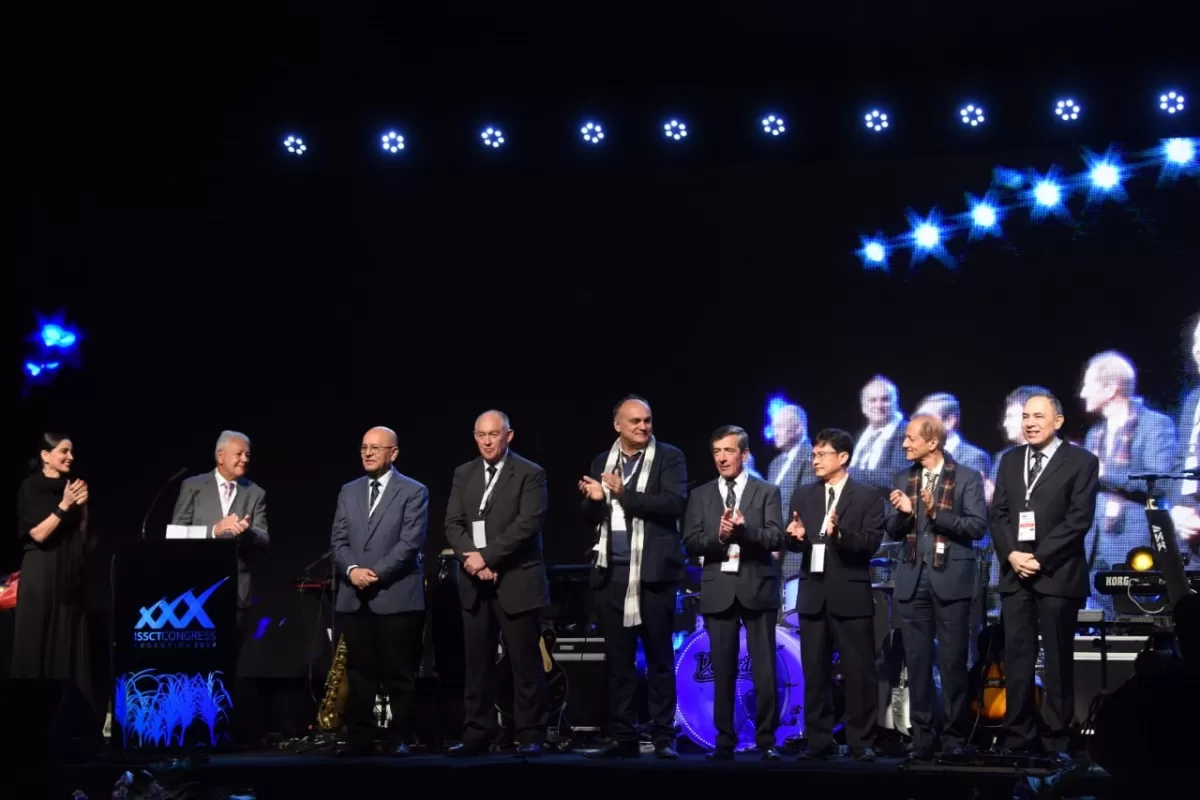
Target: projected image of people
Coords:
[(1130, 436)]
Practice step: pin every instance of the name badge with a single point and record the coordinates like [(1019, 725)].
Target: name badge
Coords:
[(816, 559), (1112, 509), (479, 533), (1026, 530), (940, 547), (733, 557)]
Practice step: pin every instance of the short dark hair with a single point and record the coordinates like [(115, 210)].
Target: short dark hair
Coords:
[(1019, 395), (838, 439), (1055, 403), (731, 430), (627, 398)]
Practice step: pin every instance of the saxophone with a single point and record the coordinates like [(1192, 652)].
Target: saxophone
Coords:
[(337, 688)]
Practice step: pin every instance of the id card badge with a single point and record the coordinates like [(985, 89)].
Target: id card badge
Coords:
[(816, 560), (733, 557), (479, 533), (940, 547), (1026, 531)]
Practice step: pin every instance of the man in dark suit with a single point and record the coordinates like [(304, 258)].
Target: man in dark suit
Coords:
[(379, 532), (939, 513), (736, 524), (791, 468), (1185, 495), (229, 504), (494, 523), (877, 453), (634, 495), (1043, 507), (946, 408), (837, 524)]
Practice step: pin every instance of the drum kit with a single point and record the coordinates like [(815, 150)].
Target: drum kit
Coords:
[(694, 678)]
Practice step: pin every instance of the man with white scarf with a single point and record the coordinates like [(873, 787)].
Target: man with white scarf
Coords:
[(635, 495)]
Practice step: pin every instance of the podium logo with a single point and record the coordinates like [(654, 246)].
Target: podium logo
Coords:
[(176, 617)]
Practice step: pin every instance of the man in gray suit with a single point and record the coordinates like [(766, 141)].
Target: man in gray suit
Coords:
[(378, 540), (736, 523), (228, 504), (939, 513)]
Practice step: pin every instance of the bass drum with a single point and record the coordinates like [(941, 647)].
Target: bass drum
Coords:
[(694, 687)]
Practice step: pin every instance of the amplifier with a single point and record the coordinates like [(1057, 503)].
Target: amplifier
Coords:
[(582, 660)]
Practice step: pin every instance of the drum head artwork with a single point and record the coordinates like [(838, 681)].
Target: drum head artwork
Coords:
[(694, 686)]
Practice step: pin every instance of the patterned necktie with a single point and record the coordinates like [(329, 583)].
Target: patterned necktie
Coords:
[(730, 495), (374, 495), (1035, 468), (228, 490), (929, 479)]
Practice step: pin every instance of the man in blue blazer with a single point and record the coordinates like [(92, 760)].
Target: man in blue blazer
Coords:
[(938, 513), (379, 533)]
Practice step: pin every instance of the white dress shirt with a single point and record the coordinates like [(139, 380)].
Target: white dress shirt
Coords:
[(837, 496), (227, 490), (868, 458)]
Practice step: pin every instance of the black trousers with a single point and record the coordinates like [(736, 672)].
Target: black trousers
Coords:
[(923, 618), (855, 642), (383, 654), (724, 641), (620, 649), (482, 628), (1026, 613)]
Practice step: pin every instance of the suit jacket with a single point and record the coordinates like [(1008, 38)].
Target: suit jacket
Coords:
[(1063, 503), (891, 459), (660, 508), (756, 583), (513, 519), (199, 503), (962, 526), (1187, 417), (391, 543), (968, 455), (799, 472), (844, 588)]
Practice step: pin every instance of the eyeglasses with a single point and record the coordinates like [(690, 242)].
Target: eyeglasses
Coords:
[(823, 453), (375, 448)]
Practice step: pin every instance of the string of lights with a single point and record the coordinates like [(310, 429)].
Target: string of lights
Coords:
[(1042, 195)]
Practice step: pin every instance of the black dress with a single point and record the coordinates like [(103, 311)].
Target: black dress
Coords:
[(50, 639)]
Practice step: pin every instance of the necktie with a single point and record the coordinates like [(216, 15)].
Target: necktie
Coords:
[(829, 502), (228, 490), (491, 472), (374, 494), (1035, 468), (730, 495), (928, 479)]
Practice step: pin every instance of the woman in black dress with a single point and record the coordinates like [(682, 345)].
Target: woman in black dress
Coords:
[(50, 640)]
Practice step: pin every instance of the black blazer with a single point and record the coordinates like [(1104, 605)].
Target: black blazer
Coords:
[(513, 519), (660, 508), (962, 526), (1063, 503), (756, 583), (844, 588)]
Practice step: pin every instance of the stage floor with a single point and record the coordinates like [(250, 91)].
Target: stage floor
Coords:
[(317, 773)]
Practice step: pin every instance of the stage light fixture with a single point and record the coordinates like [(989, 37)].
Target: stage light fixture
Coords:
[(1140, 559), (675, 130), (1171, 102), (392, 142), (492, 137), (1105, 176), (972, 115), (1067, 110), (772, 125), (876, 120), (1179, 151), (1047, 194), (592, 133), (927, 236), (983, 216), (295, 145)]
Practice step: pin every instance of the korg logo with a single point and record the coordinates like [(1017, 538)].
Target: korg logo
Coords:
[(177, 634), (1117, 580)]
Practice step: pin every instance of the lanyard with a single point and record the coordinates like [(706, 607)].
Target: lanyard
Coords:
[(487, 492)]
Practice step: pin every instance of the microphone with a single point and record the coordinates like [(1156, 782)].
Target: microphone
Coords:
[(158, 497)]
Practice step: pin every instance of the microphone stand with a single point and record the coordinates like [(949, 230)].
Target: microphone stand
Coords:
[(314, 564), (158, 496)]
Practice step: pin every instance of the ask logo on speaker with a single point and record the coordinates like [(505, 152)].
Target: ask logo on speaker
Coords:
[(181, 622)]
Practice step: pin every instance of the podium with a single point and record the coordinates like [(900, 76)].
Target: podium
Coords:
[(175, 641)]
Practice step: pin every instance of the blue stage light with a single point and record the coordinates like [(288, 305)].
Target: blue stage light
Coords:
[(772, 125), (492, 137), (675, 130), (1171, 102), (1067, 110), (971, 115), (1179, 151), (592, 133), (1047, 193), (876, 120), (295, 145), (392, 142)]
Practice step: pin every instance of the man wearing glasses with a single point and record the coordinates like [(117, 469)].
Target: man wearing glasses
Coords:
[(836, 524), (494, 523), (379, 532)]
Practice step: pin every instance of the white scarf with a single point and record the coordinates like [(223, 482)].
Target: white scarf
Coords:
[(636, 530)]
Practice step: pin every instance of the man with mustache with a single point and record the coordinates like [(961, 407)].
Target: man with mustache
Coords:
[(1043, 507)]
